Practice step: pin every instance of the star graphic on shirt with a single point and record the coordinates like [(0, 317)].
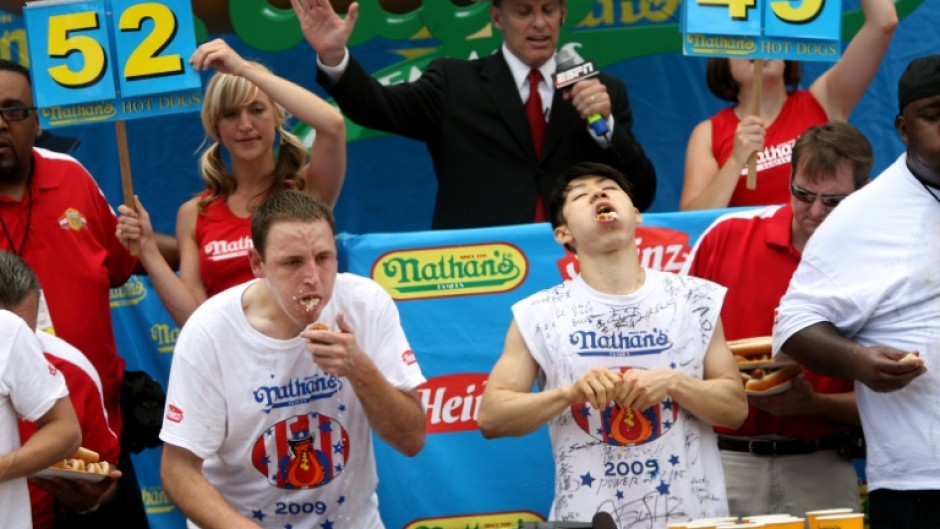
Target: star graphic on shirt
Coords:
[(288, 526), (587, 479), (619, 494), (327, 524), (663, 488), (674, 459), (667, 404), (339, 468), (325, 427), (265, 459), (338, 448), (269, 431), (342, 407), (667, 424), (341, 500), (585, 412), (673, 365), (258, 515)]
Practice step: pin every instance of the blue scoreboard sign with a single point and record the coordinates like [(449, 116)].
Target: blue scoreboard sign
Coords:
[(106, 60), (762, 29)]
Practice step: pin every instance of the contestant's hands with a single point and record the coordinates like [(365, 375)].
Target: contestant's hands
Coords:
[(78, 495), (800, 399), (598, 387), (880, 368), (135, 226), (324, 30), (642, 388), (748, 138), (589, 97), (335, 352), (217, 54)]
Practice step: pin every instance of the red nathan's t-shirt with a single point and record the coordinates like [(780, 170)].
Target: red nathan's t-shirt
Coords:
[(800, 112)]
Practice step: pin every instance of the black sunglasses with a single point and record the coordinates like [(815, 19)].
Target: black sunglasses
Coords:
[(830, 201), (16, 113)]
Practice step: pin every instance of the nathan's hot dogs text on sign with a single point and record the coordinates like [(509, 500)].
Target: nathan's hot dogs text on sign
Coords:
[(773, 378), (84, 460)]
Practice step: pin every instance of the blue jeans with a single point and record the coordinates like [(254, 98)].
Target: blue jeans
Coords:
[(903, 509)]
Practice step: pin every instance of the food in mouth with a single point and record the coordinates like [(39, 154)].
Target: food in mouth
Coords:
[(606, 213), (308, 302)]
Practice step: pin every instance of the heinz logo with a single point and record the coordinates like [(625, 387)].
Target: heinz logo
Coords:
[(451, 271), (452, 402), (659, 248)]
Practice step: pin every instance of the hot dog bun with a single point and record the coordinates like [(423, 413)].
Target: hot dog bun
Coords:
[(911, 358), (751, 347), (774, 378), (86, 455)]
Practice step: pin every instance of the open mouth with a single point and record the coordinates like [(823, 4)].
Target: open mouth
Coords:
[(309, 303), (605, 213)]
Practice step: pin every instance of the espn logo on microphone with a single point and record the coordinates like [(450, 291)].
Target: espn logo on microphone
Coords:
[(570, 76)]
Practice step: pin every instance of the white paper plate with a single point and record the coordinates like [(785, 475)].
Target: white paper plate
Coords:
[(771, 391), (72, 475)]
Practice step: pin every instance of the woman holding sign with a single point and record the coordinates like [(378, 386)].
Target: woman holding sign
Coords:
[(719, 147), (243, 113)]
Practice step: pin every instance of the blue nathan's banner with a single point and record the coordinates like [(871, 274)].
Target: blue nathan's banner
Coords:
[(806, 30), (106, 60), (453, 290)]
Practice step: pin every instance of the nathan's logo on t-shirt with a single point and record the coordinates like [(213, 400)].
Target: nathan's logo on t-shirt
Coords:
[(223, 250), (174, 414), (297, 391), (449, 271), (451, 402), (659, 249), (72, 219), (773, 156), (593, 343)]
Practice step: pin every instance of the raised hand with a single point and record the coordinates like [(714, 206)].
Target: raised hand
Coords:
[(324, 30)]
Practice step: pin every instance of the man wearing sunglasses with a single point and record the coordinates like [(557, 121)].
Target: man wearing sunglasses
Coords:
[(796, 440), (867, 294)]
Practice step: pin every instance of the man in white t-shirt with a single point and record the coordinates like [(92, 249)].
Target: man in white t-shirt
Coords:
[(633, 368), (268, 422), (32, 389), (867, 293)]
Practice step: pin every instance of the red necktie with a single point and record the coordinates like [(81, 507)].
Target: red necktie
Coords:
[(534, 112)]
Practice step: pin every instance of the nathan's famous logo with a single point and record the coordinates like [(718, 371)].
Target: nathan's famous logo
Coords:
[(451, 271), (72, 219), (660, 249), (130, 293), (615, 344), (302, 452), (79, 113), (164, 336), (723, 46), (494, 520), (156, 501), (452, 402), (618, 426), (297, 391)]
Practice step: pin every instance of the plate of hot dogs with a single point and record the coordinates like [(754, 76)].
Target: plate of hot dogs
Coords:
[(762, 383), (755, 353), (83, 465)]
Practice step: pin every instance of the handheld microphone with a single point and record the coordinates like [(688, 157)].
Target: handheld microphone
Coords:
[(603, 520), (569, 70)]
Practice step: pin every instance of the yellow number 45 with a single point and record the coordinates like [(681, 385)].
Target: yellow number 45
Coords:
[(737, 9)]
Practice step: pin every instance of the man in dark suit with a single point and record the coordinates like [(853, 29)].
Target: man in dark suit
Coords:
[(493, 164)]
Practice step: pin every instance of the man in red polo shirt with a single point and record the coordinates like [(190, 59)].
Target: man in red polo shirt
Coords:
[(789, 454), (54, 216)]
